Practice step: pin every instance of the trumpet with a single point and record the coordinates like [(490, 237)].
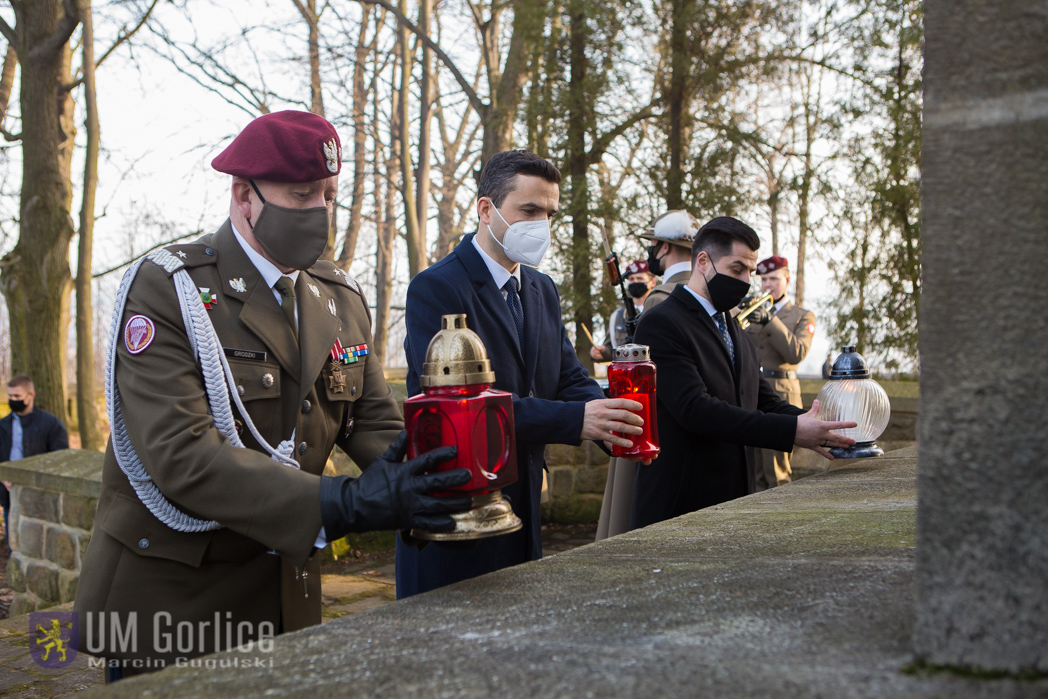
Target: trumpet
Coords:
[(749, 305)]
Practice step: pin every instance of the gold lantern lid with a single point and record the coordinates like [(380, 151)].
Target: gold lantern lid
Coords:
[(456, 356)]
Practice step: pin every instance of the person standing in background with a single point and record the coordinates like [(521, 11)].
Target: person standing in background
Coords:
[(639, 283), (669, 255), (26, 431), (783, 335)]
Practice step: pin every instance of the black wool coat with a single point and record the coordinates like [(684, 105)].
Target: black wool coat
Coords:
[(709, 411)]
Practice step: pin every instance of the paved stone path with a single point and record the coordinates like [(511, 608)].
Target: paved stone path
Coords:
[(348, 588)]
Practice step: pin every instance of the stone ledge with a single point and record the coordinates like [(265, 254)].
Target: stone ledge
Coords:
[(73, 471), (806, 590)]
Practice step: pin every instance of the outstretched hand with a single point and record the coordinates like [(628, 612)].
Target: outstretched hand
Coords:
[(818, 435)]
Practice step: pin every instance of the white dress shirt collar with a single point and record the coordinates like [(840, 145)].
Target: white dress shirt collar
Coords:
[(267, 269), (677, 268), (499, 273), (777, 306), (705, 302)]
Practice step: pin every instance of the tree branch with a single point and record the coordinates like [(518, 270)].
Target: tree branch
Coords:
[(120, 39), (601, 144), (10, 137), (47, 48), (8, 32), (155, 247), (477, 103)]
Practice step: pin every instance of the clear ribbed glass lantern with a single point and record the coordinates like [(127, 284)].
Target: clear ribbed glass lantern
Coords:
[(852, 395)]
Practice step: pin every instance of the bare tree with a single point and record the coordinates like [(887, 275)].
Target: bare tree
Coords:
[(35, 278), (86, 408), (415, 240), (361, 90)]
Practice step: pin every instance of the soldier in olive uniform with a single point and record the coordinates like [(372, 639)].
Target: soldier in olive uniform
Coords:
[(783, 336), (199, 527), (639, 283), (669, 255)]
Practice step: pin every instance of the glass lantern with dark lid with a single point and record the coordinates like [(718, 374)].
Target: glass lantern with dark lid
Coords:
[(852, 395), (459, 408)]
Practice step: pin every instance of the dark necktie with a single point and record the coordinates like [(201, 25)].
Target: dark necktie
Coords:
[(724, 334), (286, 288), (513, 299)]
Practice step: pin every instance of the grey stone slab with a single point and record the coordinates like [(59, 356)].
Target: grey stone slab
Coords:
[(743, 600), (73, 471)]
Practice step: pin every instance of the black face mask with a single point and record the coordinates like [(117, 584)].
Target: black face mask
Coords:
[(725, 292), (294, 238), (637, 289), (655, 263), (16, 406)]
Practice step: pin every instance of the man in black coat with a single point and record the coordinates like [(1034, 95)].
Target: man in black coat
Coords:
[(712, 400), (516, 311), (36, 432)]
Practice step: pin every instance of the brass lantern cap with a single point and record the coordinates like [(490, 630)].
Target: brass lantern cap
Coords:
[(456, 356)]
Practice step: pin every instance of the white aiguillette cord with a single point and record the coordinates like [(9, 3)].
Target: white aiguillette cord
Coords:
[(218, 383)]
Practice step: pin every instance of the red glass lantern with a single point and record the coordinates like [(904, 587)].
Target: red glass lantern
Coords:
[(632, 375), (459, 408)]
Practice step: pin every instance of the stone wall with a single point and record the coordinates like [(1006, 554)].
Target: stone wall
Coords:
[(575, 483), (53, 502)]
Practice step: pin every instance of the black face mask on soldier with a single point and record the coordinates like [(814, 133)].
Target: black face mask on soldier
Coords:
[(637, 289), (16, 406), (294, 238), (725, 292), (655, 263)]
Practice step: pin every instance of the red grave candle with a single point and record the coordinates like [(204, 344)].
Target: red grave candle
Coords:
[(632, 376)]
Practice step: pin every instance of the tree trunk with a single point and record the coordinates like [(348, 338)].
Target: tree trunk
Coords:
[(386, 227), (316, 93), (35, 276), (360, 102), (425, 9), (86, 408), (680, 65), (507, 87), (804, 197), (578, 208), (7, 81), (416, 243)]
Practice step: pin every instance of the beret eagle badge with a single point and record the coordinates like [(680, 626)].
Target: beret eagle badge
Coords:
[(333, 154)]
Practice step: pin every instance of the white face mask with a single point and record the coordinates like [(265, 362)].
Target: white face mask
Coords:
[(525, 242)]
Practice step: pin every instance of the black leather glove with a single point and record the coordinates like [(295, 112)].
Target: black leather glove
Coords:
[(762, 316), (393, 495)]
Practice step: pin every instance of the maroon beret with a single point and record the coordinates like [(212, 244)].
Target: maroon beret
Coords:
[(771, 264), (285, 146), (637, 267)]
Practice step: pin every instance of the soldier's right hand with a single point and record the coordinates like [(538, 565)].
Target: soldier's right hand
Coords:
[(393, 495), (762, 316)]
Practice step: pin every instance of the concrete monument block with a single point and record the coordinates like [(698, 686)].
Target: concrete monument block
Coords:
[(982, 554)]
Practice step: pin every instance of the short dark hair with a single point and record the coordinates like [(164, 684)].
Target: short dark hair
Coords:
[(21, 380), (719, 235), (496, 180)]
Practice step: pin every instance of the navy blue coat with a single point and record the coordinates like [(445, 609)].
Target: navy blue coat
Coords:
[(41, 432), (549, 385)]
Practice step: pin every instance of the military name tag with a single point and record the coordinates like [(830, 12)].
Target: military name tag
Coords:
[(245, 354)]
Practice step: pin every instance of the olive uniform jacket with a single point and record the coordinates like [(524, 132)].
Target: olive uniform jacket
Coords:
[(782, 344), (663, 290), (260, 567)]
